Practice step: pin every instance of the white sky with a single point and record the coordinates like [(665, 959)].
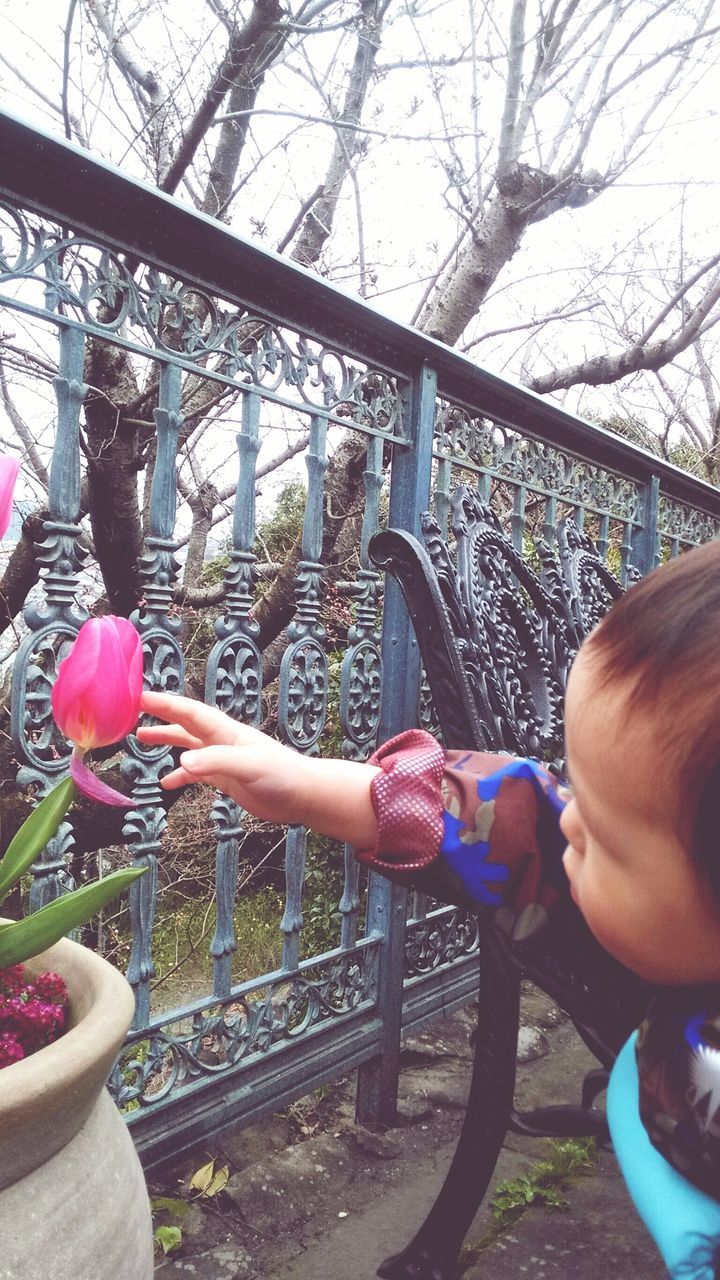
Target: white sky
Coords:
[(669, 196)]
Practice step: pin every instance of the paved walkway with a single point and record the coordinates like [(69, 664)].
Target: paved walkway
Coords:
[(335, 1205)]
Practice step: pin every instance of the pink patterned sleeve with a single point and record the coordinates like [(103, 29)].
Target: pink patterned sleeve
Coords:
[(408, 804), (471, 827)]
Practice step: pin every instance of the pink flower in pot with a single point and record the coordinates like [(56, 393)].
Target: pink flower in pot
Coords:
[(64, 1147), (96, 702)]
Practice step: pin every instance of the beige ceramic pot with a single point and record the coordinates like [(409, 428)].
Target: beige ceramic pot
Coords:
[(73, 1203)]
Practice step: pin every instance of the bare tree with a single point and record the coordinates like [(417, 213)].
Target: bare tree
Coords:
[(288, 122)]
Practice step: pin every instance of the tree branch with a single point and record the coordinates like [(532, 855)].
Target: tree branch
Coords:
[(319, 219), (23, 431), (604, 369), (66, 68), (531, 324), (245, 59)]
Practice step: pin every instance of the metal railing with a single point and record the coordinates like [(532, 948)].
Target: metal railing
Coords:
[(91, 257)]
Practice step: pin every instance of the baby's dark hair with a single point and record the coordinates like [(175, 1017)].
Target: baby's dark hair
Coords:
[(662, 639)]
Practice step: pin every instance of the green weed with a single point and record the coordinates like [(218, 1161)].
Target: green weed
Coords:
[(543, 1184)]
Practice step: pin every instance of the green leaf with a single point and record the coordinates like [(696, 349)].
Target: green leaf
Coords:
[(25, 938), (34, 834), (168, 1238), (166, 1204)]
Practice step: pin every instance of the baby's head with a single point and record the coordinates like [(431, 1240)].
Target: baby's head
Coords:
[(643, 742)]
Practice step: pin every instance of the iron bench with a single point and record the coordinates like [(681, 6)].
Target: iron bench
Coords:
[(497, 640)]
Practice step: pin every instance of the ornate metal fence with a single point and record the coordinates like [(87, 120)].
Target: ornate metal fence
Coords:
[(90, 257)]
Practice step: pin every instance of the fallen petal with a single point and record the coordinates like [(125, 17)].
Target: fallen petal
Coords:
[(86, 781)]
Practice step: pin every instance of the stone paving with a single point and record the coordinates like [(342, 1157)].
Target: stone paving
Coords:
[(313, 1197)]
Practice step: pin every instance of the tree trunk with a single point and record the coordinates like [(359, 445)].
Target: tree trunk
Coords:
[(202, 505), (23, 570), (494, 240), (344, 499), (112, 472)]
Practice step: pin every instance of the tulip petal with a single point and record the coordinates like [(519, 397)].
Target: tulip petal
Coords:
[(126, 677), (9, 468), (117, 706), (86, 781), (76, 677)]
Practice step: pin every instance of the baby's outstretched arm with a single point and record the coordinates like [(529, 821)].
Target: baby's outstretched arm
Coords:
[(263, 776)]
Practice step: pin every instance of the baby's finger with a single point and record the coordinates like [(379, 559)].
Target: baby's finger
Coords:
[(208, 762), (202, 721), (178, 778), (161, 702), (171, 735)]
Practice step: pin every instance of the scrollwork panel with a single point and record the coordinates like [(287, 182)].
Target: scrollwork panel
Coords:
[(155, 313), (178, 1053)]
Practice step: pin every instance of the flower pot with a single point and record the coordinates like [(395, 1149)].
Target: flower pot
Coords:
[(73, 1203)]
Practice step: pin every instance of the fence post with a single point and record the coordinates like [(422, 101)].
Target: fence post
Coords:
[(387, 903), (644, 539)]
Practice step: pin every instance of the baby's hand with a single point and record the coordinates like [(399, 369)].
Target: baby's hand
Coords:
[(255, 770), (261, 775)]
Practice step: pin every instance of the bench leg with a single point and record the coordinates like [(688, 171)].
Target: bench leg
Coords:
[(433, 1253)]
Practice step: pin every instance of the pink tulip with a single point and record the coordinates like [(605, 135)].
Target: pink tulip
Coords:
[(9, 468), (96, 697)]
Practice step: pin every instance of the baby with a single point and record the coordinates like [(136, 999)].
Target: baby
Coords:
[(641, 827), (642, 718)]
